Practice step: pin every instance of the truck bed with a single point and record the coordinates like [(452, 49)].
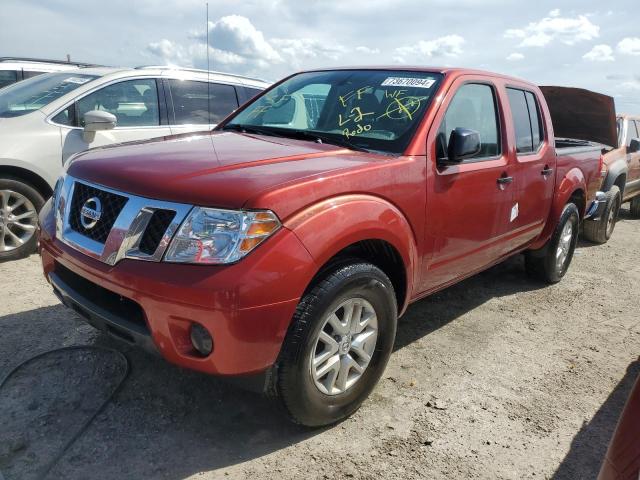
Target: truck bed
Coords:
[(583, 155)]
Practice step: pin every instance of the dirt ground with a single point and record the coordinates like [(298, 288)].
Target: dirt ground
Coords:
[(497, 377)]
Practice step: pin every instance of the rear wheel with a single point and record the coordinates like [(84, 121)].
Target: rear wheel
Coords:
[(338, 345), (600, 231), (550, 263), (19, 207), (635, 207)]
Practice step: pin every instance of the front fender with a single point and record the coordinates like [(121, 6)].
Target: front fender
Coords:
[(330, 226), (572, 182)]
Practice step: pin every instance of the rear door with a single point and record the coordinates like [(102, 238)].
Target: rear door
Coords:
[(468, 204), (196, 106), (535, 164), (138, 105), (633, 158)]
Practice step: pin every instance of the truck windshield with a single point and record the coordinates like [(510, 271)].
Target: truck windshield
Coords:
[(33, 94), (375, 110)]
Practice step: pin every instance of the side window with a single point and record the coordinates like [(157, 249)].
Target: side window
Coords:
[(526, 120), (7, 77), (251, 92), (472, 107), (619, 127), (66, 116), (537, 133), (28, 74), (133, 102), (637, 122), (190, 102)]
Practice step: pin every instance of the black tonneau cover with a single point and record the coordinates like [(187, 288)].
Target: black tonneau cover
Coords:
[(582, 115)]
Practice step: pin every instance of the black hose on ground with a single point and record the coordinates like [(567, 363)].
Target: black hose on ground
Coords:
[(47, 468)]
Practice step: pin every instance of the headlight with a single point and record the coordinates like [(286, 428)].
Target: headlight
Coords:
[(211, 235), (56, 194)]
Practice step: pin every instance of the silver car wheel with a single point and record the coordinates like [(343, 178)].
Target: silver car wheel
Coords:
[(18, 220), (564, 245), (344, 347)]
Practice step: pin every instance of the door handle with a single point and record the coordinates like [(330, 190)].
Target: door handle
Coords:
[(546, 171), (504, 180)]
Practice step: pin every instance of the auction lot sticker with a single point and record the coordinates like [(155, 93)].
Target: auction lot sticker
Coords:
[(408, 82)]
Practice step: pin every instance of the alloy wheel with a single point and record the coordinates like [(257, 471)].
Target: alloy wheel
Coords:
[(611, 218), (564, 246), (344, 347), (18, 220)]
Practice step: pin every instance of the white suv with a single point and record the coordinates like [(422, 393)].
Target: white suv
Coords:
[(48, 118), (16, 69)]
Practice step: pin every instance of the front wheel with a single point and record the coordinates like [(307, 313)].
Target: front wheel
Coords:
[(551, 262), (338, 345), (19, 207)]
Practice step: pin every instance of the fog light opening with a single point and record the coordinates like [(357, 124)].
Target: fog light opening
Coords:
[(201, 339)]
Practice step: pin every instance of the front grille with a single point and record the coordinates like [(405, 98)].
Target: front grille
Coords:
[(158, 224), (112, 205)]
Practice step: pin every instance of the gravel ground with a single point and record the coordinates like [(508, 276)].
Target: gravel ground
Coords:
[(497, 377)]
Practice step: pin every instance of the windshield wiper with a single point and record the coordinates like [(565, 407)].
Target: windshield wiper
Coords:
[(320, 138), (238, 127), (292, 133)]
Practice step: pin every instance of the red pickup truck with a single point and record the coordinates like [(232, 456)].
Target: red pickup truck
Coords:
[(283, 245)]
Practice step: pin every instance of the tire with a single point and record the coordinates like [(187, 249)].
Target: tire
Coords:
[(600, 231), (635, 207), (542, 264), (18, 237), (314, 400)]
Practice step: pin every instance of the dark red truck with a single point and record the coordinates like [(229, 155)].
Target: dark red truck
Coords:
[(283, 245)]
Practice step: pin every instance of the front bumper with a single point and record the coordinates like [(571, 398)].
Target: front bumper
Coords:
[(597, 207), (246, 307)]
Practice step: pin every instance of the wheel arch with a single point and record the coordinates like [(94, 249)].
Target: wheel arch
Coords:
[(362, 227), (616, 175), (27, 176), (571, 188)]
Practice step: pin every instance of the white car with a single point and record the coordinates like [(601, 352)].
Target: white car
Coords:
[(16, 69), (48, 118)]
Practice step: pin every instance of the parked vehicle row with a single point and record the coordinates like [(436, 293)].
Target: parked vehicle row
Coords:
[(49, 118), (283, 246), (16, 69), (621, 171)]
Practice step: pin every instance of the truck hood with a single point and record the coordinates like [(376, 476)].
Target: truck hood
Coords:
[(581, 114), (218, 169)]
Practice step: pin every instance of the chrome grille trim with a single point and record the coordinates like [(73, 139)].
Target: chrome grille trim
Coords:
[(127, 231)]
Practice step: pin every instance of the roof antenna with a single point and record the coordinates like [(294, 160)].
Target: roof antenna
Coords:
[(208, 73)]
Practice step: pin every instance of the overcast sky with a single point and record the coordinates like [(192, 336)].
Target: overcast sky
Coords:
[(589, 44)]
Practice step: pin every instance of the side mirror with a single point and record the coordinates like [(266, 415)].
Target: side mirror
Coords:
[(97, 120), (463, 143), (634, 146)]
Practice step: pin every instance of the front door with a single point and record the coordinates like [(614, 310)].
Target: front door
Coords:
[(136, 105), (468, 204)]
